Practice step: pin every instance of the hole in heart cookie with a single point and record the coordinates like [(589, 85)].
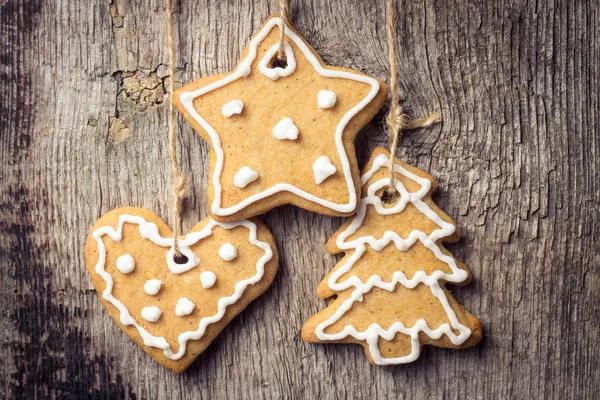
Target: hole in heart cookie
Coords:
[(180, 259)]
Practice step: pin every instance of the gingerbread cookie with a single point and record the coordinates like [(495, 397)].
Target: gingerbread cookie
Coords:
[(281, 133), (173, 310), (390, 285)]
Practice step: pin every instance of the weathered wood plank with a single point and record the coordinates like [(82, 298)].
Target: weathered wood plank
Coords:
[(83, 130)]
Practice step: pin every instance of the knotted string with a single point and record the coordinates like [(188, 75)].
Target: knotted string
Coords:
[(179, 180), (283, 11), (396, 120)]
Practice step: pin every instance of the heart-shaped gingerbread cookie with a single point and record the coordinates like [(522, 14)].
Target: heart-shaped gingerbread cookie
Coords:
[(174, 310)]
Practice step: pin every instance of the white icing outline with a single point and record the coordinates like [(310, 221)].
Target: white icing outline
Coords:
[(243, 70), (372, 334), (149, 230)]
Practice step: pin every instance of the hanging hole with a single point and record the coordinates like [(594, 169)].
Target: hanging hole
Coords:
[(180, 259), (277, 62), (389, 197)]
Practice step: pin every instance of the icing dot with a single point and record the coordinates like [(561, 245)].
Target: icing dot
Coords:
[(125, 263), (326, 99), (152, 286), (233, 107), (184, 307), (323, 169), (208, 279), (245, 176), (151, 314), (228, 252), (285, 129)]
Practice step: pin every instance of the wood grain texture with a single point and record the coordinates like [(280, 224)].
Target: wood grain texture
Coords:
[(83, 129)]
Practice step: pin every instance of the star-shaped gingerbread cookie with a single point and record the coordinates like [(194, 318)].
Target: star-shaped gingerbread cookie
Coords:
[(281, 133)]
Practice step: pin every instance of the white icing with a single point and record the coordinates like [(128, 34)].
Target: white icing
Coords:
[(243, 70), (125, 263), (244, 177), (208, 279), (277, 72), (149, 231), (151, 314), (323, 169), (233, 107), (184, 307), (286, 129), (152, 286), (228, 252), (372, 334), (326, 99)]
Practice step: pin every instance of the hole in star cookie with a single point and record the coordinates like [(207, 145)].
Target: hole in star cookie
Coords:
[(274, 66), (180, 259), (277, 62)]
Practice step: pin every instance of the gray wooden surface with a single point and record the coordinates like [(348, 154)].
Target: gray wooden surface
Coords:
[(83, 130)]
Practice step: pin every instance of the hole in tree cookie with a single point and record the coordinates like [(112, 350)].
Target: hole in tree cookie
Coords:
[(390, 197), (274, 67)]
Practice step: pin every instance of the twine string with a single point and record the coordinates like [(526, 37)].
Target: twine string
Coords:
[(179, 180), (284, 12), (396, 120)]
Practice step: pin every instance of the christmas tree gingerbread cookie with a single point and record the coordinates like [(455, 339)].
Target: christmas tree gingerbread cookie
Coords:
[(174, 308), (390, 287), (281, 132)]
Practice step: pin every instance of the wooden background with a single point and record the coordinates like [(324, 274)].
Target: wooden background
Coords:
[(83, 128)]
